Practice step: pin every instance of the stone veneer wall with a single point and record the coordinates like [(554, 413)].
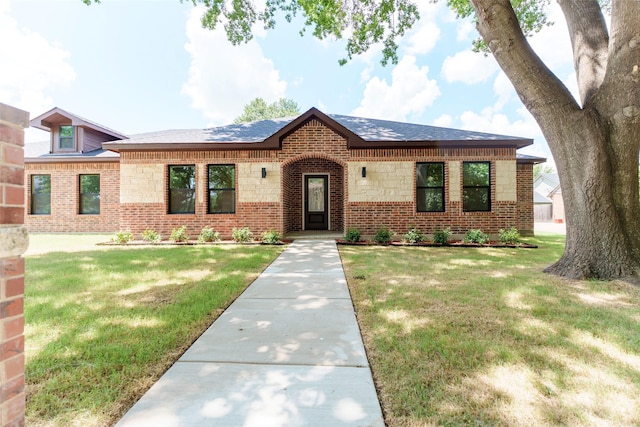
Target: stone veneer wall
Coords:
[(13, 243), (395, 208), (144, 194)]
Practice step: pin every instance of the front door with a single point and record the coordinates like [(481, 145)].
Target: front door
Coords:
[(316, 205)]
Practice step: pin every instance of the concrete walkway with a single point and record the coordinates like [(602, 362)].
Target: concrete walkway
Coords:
[(287, 352)]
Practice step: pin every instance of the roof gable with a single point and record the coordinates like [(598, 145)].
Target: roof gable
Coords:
[(313, 113), (57, 115)]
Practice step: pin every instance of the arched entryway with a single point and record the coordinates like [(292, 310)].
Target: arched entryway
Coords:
[(313, 194)]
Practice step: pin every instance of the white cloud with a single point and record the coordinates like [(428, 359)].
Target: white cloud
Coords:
[(223, 78), (466, 30), (468, 67), (444, 121), (503, 88), (410, 92), (423, 38), (493, 120), (36, 66)]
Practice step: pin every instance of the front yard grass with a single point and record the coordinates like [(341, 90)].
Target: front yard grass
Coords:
[(466, 336), (102, 325)]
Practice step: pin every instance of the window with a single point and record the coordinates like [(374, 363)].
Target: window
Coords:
[(41, 194), (476, 184), (222, 189), (182, 189), (89, 194), (430, 187), (65, 139)]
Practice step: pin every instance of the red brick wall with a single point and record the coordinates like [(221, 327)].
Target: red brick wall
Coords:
[(293, 192), (65, 198), (368, 217), (259, 217), (13, 243)]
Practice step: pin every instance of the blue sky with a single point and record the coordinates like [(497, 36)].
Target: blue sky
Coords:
[(138, 66)]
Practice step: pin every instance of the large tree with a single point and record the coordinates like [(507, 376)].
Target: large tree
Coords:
[(595, 140), (258, 109)]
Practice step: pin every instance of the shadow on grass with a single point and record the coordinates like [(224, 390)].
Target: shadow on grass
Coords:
[(483, 337), (101, 326)]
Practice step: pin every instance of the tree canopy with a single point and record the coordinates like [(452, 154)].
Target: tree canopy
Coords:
[(258, 109)]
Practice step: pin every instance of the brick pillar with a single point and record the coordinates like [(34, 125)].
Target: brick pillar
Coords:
[(13, 243)]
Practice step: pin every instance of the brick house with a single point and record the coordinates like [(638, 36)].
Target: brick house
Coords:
[(313, 172)]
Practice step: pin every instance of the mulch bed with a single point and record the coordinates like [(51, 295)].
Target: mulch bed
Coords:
[(452, 244), (190, 243)]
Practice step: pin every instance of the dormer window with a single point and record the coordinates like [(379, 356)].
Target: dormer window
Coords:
[(65, 138)]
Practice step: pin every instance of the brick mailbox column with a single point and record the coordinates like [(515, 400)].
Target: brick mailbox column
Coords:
[(13, 243)]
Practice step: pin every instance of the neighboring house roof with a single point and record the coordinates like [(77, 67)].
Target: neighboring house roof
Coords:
[(359, 133), (546, 182), (539, 198), (43, 121), (525, 158), (38, 152)]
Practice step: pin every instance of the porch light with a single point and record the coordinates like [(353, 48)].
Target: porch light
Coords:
[(264, 172), (364, 171)]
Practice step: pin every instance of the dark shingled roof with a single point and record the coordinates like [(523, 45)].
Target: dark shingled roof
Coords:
[(360, 133)]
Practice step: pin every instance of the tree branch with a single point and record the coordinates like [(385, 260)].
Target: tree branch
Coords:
[(590, 42), (540, 90)]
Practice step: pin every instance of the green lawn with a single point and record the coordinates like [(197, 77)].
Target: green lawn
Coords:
[(102, 325), (480, 336)]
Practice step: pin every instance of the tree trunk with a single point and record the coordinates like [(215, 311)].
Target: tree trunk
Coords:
[(600, 193), (595, 146)]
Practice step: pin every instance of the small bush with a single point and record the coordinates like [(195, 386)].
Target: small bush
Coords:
[(414, 236), (271, 237), (208, 234), (510, 236), (383, 236), (242, 235), (441, 237), (475, 236), (352, 235), (122, 236), (151, 236), (179, 234)]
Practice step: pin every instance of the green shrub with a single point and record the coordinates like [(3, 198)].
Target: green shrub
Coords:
[(208, 234), (441, 237), (510, 236), (242, 235), (414, 236), (151, 236), (122, 236), (271, 237), (352, 235), (383, 236), (179, 234), (475, 236)]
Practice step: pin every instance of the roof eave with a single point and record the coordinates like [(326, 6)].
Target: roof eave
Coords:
[(189, 146), (28, 160), (485, 143)]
